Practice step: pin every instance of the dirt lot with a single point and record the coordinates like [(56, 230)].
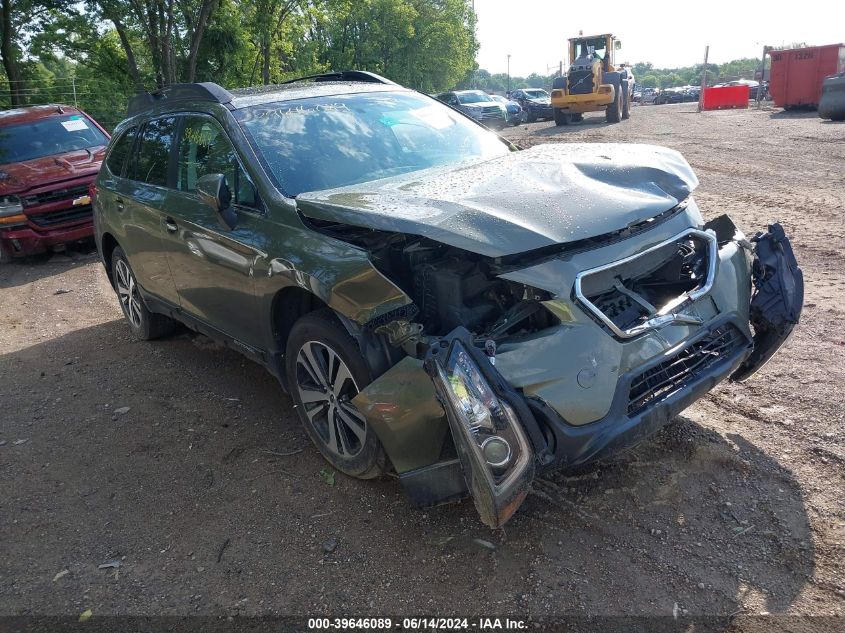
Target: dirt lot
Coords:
[(736, 507)]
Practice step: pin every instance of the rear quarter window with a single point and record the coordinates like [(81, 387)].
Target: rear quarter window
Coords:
[(120, 151)]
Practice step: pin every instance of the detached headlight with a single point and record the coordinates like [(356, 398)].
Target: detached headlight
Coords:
[(497, 458), (11, 211)]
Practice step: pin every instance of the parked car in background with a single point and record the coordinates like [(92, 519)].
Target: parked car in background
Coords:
[(438, 303), (670, 95), (691, 93), (516, 114), (536, 102), (49, 155), (637, 96), (478, 105), (649, 96)]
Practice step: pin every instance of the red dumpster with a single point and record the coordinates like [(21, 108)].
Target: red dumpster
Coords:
[(725, 97), (797, 73)]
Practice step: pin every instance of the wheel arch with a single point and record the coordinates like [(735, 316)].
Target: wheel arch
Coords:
[(288, 306), (108, 243)]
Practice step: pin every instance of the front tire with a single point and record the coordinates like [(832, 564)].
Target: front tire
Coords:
[(326, 370), (144, 325), (561, 117)]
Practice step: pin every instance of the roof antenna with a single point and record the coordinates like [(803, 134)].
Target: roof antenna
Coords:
[(60, 109)]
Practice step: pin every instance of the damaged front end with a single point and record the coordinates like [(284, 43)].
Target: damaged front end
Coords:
[(503, 378)]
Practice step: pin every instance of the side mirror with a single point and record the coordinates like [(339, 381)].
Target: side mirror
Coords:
[(617, 45), (213, 191)]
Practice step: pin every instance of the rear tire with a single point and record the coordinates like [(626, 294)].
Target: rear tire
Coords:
[(561, 117), (143, 324), (614, 110), (325, 370)]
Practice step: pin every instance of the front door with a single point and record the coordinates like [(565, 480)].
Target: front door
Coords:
[(213, 266)]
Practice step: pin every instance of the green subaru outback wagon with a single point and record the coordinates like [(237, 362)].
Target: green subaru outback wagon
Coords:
[(436, 301)]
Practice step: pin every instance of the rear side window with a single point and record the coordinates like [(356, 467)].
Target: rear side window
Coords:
[(149, 163), (120, 151)]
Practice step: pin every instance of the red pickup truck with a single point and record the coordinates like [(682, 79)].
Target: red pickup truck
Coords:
[(49, 156)]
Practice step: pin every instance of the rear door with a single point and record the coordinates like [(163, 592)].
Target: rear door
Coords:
[(137, 199), (213, 266)]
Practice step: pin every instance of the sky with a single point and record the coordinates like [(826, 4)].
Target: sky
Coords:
[(668, 34)]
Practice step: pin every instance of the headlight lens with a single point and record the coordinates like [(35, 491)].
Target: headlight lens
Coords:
[(494, 441), (10, 205)]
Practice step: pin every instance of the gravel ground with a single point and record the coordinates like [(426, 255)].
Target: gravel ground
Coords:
[(158, 457)]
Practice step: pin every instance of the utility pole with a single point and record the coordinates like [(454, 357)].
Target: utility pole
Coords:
[(703, 77), (760, 90), (509, 73)]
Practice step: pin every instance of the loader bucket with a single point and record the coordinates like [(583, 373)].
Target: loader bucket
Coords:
[(832, 103)]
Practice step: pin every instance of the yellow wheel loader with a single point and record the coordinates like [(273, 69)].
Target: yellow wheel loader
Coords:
[(594, 82)]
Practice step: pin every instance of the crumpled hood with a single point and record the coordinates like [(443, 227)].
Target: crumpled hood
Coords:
[(549, 194)]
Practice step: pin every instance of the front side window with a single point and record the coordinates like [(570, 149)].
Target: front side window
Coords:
[(48, 137), (120, 151), (149, 163), (205, 149), (325, 142)]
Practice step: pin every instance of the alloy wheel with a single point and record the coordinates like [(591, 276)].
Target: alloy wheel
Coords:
[(127, 291), (326, 388)]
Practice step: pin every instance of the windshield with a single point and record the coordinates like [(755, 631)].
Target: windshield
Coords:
[(536, 94), (47, 137), (598, 46), (326, 142), (498, 98), (473, 97)]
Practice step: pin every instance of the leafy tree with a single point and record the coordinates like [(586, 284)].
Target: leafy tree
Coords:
[(647, 81)]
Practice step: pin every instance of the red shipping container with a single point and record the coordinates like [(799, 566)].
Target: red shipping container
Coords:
[(797, 73), (725, 97)]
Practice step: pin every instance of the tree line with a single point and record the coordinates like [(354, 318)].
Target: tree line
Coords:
[(100, 52)]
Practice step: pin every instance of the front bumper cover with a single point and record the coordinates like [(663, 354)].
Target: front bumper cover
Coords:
[(21, 241), (777, 300)]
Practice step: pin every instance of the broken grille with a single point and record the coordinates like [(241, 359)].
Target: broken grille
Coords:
[(646, 291), (660, 381)]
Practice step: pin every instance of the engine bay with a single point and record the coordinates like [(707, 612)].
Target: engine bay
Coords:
[(452, 287)]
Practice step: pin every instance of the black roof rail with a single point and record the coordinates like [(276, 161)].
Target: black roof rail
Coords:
[(345, 75), (205, 91)]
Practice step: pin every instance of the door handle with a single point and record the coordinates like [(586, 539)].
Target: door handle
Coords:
[(118, 202), (170, 225)]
